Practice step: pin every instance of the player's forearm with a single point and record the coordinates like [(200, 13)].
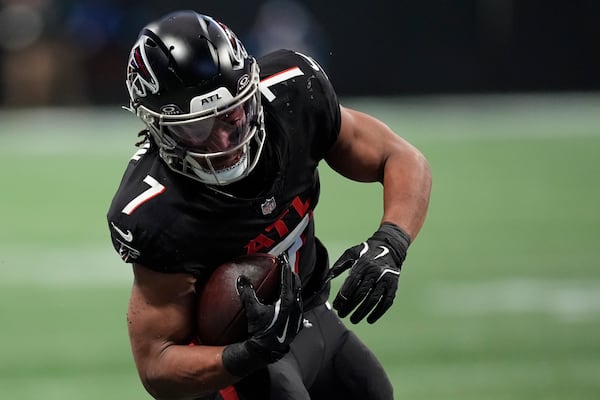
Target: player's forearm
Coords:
[(184, 372), (407, 187)]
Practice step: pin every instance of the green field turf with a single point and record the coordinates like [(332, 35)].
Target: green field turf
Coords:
[(499, 297)]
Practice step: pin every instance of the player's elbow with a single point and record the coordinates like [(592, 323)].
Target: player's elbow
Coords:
[(165, 388), (407, 158), (423, 166), (152, 387), (157, 387), (421, 175)]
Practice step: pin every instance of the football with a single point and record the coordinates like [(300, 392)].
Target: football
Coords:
[(221, 318)]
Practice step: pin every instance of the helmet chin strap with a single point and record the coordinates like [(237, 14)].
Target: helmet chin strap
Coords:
[(223, 176)]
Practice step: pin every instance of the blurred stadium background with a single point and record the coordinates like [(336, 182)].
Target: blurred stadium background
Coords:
[(500, 296)]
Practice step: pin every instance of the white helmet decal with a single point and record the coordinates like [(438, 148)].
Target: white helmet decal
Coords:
[(140, 76), (237, 51), (215, 99)]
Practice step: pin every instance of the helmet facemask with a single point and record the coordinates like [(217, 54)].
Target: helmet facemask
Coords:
[(219, 142)]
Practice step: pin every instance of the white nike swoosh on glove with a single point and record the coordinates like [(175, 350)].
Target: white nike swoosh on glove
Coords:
[(281, 338), (384, 252)]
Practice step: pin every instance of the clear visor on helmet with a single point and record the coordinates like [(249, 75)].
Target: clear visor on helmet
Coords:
[(217, 133)]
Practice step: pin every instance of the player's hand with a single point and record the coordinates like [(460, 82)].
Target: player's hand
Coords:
[(272, 327), (374, 272)]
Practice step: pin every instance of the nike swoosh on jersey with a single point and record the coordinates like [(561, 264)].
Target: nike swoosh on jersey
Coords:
[(128, 237), (281, 338)]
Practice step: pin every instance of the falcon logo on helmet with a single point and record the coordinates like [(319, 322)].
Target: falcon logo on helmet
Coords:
[(140, 76), (237, 50)]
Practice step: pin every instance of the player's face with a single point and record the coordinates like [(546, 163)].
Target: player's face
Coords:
[(219, 135)]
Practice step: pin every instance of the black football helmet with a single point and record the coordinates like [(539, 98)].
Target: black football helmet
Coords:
[(193, 84)]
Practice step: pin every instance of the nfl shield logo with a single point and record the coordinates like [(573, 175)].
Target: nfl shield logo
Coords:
[(268, 206)]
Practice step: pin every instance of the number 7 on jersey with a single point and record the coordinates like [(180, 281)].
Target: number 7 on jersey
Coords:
[(154, 190)]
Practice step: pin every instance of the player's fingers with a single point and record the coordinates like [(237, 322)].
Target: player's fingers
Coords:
[(299, 324), (384, 304), (287, 281), (351, 295), (246, 291), (354, 289), (297, 310), (290, 289), (340, 266), (359, 296), (372, 298), (389, 284), (345, 294), (297, 288)]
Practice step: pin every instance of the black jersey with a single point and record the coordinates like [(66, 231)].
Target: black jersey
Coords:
[(171, 223)]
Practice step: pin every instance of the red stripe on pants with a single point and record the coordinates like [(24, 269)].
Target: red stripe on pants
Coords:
[(229, 393)]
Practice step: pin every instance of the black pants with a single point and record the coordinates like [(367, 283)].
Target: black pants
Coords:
[(326, 361)]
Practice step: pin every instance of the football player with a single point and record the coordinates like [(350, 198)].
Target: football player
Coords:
[(227, 166)]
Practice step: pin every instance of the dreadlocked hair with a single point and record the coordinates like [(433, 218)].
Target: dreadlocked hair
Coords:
[(144, 135)]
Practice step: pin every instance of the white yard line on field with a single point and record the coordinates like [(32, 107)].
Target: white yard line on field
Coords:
[(488, 117), (99, 266), (60, 267), (565, 299)]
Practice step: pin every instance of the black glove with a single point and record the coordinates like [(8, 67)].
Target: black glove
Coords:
[(374, 273), (272, 327)]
